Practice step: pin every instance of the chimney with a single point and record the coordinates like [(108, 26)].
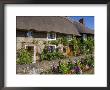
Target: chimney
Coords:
[(83, 24), (81, 20)]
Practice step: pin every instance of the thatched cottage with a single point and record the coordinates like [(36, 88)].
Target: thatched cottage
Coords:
[(33, 31)]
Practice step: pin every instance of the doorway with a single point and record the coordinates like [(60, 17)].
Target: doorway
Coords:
[(32, 49)]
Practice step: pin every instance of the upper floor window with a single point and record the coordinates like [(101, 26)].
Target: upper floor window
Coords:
[(84, 37), (69, 37), (51, 36), (29, 34)]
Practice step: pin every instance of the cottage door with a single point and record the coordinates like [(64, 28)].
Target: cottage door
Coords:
[(69, 50)]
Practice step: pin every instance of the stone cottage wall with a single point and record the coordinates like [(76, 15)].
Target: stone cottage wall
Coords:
[(22, 41)]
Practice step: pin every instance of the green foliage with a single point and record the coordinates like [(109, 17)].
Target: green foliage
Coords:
[(54, 42), (90, 61), (69, 67), (62, 40), (79, 47), (24, 57), (88, 46), (76, 44), (51, 55), (82, 46), (80, 64), (64, 68)]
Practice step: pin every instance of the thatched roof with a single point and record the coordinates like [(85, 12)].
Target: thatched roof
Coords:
[(46, 23), (81, 27)]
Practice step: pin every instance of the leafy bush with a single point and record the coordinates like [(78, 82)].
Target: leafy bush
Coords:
[(63, 68), (62, 40), (88, 46), (76, 45), (54, 42), (69, 67), (79, 47), (24, 57), (82, 46), (51, 55), (90, 61)]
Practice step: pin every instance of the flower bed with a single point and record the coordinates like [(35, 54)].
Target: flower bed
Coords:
[(67, 66), (80, 66)]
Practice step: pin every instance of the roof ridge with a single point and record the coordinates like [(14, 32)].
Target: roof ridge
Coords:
[(78, 23)]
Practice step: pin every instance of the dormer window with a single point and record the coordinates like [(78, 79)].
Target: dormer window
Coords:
[(29, 34), (51, 36)]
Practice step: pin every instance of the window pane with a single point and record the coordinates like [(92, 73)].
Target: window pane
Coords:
[(69, 37), (51, 48), (29, 34), (51, 35)]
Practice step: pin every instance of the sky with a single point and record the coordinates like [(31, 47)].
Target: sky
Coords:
[(89, 20)]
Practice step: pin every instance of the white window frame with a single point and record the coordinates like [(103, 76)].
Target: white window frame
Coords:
[(29, 32), (69, 39), (84, 36), (49, 38)]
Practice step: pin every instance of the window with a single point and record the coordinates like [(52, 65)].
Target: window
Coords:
[(84, 37), (29, 34), (51, 48), (20, 33), (69, 37), (51, 36)]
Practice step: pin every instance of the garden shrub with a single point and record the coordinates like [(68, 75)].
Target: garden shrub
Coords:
[(90, 61), (69, 67), (24, 57), (51, 55), (54, 42), (88, 46), (80, 47), (63, 68)]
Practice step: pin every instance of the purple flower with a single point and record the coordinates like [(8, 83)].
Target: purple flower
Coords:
[(77, 69)]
